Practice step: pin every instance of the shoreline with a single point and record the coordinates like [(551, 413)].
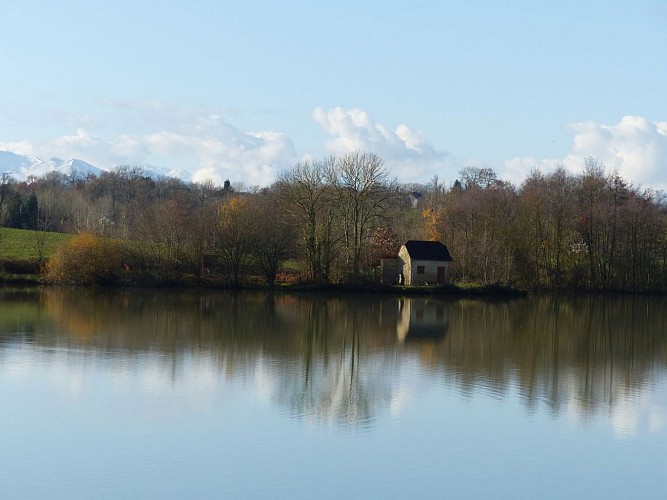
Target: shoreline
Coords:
[(454, 290), (347, 288)]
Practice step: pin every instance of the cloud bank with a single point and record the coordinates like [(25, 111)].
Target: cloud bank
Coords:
[(405, 150), (635, 147), (200, 146), (209, 149)]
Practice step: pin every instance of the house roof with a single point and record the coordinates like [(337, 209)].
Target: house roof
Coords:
[(427, 250)]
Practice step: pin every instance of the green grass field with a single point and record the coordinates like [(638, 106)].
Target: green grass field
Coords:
[(21, 244)]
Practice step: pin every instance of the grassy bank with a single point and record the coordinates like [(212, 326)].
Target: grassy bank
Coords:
[(24, 245), (22, 252)]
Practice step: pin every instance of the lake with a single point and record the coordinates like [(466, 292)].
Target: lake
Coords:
[(215, 394)]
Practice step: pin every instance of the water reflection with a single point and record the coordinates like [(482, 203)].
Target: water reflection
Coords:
[(422, 319), (340, 359)]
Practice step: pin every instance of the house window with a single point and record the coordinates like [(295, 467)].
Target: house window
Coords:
[(420, 269)]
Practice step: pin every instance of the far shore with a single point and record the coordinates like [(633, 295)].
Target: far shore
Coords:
[(452, 290), (431, 290)]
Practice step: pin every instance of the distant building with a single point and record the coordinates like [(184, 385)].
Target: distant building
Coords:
[(414, 197)]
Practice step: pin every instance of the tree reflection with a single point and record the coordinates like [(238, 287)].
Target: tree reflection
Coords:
[(339, 359), (343, 377), (586, 350)]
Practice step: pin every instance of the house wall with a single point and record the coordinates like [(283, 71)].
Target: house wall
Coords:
[(430, 272), (409, 269), (404, 257)]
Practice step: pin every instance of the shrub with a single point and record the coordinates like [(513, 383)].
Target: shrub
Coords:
[(88, 260)]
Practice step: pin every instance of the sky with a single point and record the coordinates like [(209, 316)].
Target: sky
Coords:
[(246, 89)]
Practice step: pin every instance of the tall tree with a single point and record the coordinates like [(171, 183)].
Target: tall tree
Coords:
[(163, 235), (273, 235), (363, 193), (549, 241), (235, 238), (309, 200)]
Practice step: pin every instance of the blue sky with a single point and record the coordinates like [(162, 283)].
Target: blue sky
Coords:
[(242, 90)]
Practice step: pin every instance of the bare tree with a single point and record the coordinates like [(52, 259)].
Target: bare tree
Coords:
[(363, 193), (4, 184), (203, 219), (163, 237), (309, 200), (547, 221), (274, 236), (235, 238)]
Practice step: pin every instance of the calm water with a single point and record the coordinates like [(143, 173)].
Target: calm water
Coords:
[(158, 394)]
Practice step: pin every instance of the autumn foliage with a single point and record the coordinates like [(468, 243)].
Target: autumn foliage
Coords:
[(333, 220), (88, 260)]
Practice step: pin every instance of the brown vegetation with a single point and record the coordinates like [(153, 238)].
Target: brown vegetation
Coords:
[(88, 260), (333, 219)]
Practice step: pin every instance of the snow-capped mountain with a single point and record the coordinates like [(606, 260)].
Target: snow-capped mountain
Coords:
[(11, 163), (73, 167), (157, 173), (20, 168)]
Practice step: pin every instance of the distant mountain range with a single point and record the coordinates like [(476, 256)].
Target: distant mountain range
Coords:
[(20, 167)]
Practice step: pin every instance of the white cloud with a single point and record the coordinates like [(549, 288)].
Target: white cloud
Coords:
[(207, 146), (406, 151), (635, 147), (517, 169), (82, 145), (24, 148)]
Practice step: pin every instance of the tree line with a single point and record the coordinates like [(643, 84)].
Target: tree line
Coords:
[(333, 219), (591, 231)]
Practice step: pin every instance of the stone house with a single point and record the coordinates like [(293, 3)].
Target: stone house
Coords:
[(424, 262)]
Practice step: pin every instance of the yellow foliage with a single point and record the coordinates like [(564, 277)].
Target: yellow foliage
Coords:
[(431, 232), (86, 260), (229, 211)]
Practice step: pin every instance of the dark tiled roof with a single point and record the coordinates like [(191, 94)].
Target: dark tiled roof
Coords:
[(427, 250)]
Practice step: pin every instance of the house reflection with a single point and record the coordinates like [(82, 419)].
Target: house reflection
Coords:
[(420, 318)]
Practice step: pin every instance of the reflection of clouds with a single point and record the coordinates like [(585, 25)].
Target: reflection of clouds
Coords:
[(77, 379), (13, 367), (657, 419), (263, 379), (152, 381), (625, 416), (405, 392), (399, 401), (630, 411), (641, 411), (65, 370), (339, 361), (329, 391), (76, 386)]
